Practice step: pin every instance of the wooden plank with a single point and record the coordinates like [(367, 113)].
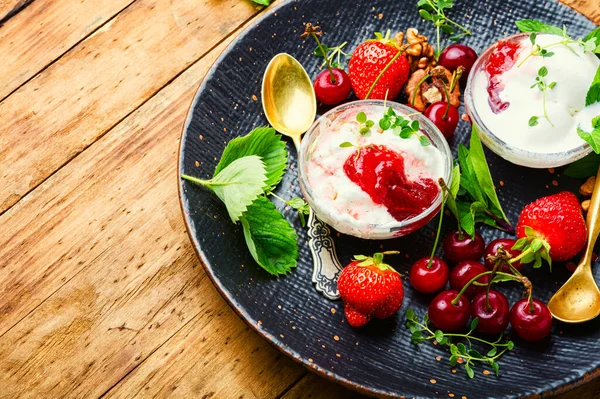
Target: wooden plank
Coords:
[(10, 8), (71, 104), (44, 31), (316, 387), (112, 250), (589, 8)]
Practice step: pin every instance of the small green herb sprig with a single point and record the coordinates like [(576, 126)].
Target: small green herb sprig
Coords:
[(298, 204), (540, 83), (435, 11), (331, 55), (591, 43), (459, 352), (400, 125)]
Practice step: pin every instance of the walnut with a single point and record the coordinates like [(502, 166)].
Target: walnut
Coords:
[(587, 188), (419, 52), (585, 205), (426, 87)]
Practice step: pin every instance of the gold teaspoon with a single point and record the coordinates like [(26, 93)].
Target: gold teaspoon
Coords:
[(578, 300)]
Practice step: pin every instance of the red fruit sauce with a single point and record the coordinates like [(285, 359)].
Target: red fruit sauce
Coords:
[(379, 172), (501, 59)]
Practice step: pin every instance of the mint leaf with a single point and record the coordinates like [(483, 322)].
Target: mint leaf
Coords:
[(593, 138), (595, 34), (271, 239), (468, 179), (264, 142), (593, 94), (483, 174), (466, 220), (585, 167), (455, 185), (533, 25)]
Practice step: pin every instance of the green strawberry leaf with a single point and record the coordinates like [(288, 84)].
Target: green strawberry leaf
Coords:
[(593, 94), (271, 239), (264, 142), (237, 185), (594, 35)]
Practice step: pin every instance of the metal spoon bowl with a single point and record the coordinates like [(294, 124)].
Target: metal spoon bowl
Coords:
[(578, 300), (290, 105)]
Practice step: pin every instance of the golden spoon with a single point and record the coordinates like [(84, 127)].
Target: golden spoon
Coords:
[(290, 105), (578, 300), (288, 97)]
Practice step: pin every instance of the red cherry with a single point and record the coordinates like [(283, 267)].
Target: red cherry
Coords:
[(457, 55), (428, 280), (331, 93), (463, 272), (507, 244), (446, 316), (436, 113), (467, 248), (492, 319), (531, 324)]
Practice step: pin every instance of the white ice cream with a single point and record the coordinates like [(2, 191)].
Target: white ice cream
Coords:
[(335, 194), (571, 69)]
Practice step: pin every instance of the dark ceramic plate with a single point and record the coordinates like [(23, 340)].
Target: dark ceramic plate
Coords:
[(287, 311)]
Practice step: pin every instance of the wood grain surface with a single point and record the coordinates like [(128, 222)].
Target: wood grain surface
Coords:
[(101, 293)]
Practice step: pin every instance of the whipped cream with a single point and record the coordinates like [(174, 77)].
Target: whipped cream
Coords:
[(335, 194), (571, 69)]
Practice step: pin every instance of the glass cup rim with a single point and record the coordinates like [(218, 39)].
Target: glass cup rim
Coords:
[(425, 124), (579, 151)]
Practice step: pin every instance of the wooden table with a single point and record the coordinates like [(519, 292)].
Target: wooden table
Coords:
[(100, 290)]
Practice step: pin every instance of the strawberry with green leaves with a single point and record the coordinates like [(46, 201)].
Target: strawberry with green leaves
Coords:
[(370, 288), (551, 228), (378, 68)]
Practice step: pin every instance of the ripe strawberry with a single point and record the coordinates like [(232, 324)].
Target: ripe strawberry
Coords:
[(551, 228), (368, 62), (370, 288)]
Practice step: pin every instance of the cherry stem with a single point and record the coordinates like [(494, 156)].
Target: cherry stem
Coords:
[(445, 116), (437, 235), (444, 187), (384, 70), (414, 96), (327, 62), (497, 266), (474, 279)]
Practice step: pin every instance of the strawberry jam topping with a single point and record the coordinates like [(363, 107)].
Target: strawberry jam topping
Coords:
[(501, 59), (379, 172)]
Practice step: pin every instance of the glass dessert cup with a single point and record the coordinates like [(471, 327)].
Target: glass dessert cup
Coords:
[(373, 231), (499, 146)]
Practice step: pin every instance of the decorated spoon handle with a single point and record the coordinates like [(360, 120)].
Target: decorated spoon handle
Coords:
[(326, 266)]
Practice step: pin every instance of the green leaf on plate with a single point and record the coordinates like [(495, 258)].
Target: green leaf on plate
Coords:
[(593, 94), (271, 239), (483, 174), (237, 185), (262, 2), (533, 25), (594, 35), (264, 142), (585, 167), (592, 138)]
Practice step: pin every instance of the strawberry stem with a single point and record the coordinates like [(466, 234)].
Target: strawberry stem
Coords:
[(389, 64), (437, 235)]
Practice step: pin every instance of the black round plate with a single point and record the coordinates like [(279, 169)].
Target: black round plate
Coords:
[(287, 311)]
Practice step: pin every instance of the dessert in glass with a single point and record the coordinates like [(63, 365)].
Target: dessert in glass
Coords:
[(526, 95), (371, 182)]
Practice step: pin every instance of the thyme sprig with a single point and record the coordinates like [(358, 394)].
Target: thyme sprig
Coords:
[(540, 83), (434, 11), (460, 352)]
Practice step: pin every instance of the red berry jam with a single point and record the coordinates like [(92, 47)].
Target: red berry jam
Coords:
[(379, 172), (501, 59)]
